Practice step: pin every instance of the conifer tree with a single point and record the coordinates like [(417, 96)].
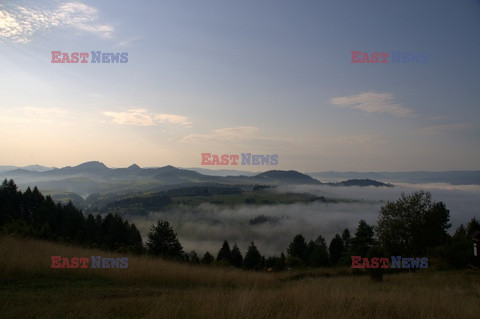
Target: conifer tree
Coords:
[(253, 258), (162, 241), (237, 258)]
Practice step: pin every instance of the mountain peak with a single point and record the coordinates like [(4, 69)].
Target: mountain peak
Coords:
[(292, 177), (170, 168), (92, 165), (134, 167)]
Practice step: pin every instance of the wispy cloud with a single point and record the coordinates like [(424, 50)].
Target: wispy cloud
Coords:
[(49, 111), (442, 128), (359, 139), (128, 42), (30, 114), (142, 117), (20, 24), (240, 134), (172, 118), (253, 135), (373, 103), (224, 134), (437, 118)]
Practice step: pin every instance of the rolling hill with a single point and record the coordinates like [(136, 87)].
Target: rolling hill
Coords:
[(94, 177)]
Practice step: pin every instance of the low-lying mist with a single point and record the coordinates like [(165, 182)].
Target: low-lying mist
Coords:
[(205, 227)]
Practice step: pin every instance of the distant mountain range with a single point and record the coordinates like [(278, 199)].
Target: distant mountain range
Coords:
[(35, 168), (416, 177), (96, 177)]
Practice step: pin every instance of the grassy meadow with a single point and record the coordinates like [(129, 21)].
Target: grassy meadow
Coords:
[(153, 288)]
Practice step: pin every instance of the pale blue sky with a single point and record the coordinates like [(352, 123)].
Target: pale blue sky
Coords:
[(267, 77)]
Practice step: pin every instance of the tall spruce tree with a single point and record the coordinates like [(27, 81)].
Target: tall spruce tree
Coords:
[(224, 254), (346, 237), (162, 241), (237, 259), (318, 253), (336, 249), (298, 248), (253, 258), (207, 258), (363, 239)]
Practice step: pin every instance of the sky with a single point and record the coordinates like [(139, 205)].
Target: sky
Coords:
[(232, 77)]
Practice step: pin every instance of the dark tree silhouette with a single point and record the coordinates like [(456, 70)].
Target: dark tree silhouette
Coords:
[(10, 202), (135, 239), (253, 258), (457, 252), (224, 254), (412, 224), (193, 257), (280, 263), (363, 239), (207, 258), (317, 253), (473, 226), (435, 224), (237, 259), (162, 241), (346, 239), (32, 214), (336, 249), (298, 248)]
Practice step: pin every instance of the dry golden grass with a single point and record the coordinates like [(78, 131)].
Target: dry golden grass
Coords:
[(27, 256), (152, 288)]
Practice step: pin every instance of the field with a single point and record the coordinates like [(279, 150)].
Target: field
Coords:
[(152, 288)]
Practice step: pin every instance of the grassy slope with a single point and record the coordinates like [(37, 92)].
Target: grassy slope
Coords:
[(158, 289)]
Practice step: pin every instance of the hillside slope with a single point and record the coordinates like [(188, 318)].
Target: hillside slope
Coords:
[(153, 288)]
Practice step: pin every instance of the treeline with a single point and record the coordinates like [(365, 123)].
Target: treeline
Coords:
[(162, 242), (142, 203), (153, 202), (203, 191), (30, 213)]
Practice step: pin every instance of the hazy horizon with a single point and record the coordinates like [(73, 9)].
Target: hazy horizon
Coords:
[(246, 168)]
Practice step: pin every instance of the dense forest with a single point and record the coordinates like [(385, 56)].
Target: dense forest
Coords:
[(412, 226), (32, 214)]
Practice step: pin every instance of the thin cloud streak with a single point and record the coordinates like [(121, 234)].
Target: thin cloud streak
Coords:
[(141, 117), (33, 114), (240, 134), (372, 102), (439, 129)]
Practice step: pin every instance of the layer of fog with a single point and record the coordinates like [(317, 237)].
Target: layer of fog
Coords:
[(205, 227)]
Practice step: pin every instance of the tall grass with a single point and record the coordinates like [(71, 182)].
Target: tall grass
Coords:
[(27, 257), (153, 288)]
